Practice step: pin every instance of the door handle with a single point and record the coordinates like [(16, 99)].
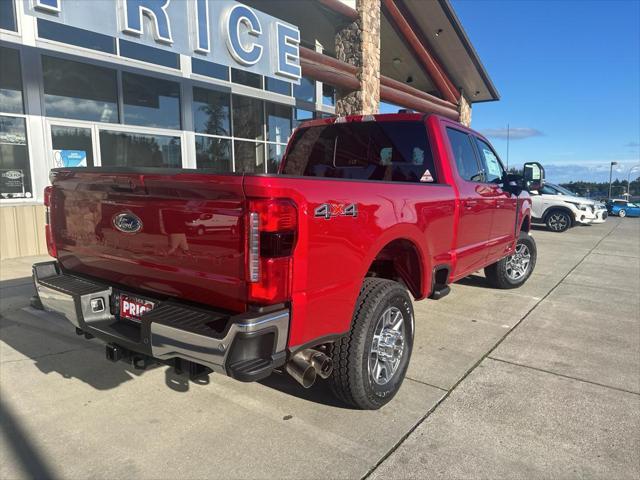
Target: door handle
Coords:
[(469, 204)]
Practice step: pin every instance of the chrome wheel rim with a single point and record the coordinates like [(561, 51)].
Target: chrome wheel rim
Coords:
[(518, 263), (558, 222), (387, 346), (622, 213)]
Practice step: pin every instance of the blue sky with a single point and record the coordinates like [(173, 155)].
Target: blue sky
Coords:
[(569, 77)]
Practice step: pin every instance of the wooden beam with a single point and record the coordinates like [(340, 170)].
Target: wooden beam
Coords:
[(397, 85), (426, 60), (342, 75), (328, 70), (407, 100)]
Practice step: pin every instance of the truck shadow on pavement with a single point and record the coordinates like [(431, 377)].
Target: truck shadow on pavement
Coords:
[(318, 393), (474, 281), (51, 344)]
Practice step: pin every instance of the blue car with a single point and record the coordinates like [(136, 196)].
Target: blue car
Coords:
[(622, 208)]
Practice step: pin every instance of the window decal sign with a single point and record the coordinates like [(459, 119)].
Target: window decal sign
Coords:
[(220, 31), (12, 183), (69, 158)]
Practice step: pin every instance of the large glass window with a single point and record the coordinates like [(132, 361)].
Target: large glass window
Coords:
[(277, 86), (10, 81), (248, 117), (79, 90), (211, 112), (214, 153), (15, 172), (328, 95), (278, 122), (388, 151), (493, 170), (148, 54), (306, 91), (209, 69), (7, 16), (466, 161), (123, 149), (244, 77), (274, 156), (249, 157), (301, 116), (72, 146), (75, 36), (151, 102)]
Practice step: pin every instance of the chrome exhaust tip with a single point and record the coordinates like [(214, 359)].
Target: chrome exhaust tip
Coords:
[(308, 364), (322, 363), (302, 371)]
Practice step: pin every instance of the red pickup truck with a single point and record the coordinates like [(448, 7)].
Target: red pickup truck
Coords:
[(311, 271)]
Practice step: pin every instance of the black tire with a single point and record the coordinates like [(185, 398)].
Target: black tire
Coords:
[(351, 380), (498, 274), (558, 221), (622, 213)]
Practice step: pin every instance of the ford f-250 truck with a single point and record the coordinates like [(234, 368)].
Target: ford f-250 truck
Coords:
[(310, 271)]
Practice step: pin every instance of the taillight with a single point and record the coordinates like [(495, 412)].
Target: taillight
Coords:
[(271, 237), (51, 246)]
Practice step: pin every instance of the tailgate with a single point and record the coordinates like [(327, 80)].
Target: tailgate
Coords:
[(164, 234)]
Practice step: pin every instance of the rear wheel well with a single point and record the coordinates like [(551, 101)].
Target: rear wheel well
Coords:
[(399, 261)]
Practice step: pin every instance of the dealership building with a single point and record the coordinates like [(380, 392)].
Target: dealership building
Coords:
[(213, 84)]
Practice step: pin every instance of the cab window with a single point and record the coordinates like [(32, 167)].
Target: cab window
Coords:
[(493, 170), (465, 156), (384, 151)]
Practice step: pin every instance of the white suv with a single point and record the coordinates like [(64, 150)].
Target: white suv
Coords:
[(560, 208)]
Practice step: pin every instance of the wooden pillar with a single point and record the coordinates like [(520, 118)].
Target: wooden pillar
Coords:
[(358, 44)]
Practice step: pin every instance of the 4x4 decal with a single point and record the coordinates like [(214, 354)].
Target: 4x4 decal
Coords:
[(328, 210)]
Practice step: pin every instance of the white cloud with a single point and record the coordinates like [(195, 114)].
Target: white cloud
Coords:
[(515, 133)]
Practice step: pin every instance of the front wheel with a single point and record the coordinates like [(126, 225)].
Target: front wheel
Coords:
[(558, 221), (370, 362), (622, 214), (514, 270)]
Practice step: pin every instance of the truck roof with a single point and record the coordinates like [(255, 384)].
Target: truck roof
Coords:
[(388, 117), (380, 117)]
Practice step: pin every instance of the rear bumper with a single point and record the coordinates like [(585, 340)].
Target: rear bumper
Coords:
[(247, 346)]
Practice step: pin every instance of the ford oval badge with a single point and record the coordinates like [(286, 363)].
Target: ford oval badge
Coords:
[(127, 222)]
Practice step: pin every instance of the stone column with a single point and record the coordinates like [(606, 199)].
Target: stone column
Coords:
[(359, 45), (464, 107)]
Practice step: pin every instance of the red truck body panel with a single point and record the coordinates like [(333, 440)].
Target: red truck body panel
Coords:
[(193, 243), (167, 257)]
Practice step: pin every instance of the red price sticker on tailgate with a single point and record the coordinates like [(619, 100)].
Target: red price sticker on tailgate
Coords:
[(133, 308)]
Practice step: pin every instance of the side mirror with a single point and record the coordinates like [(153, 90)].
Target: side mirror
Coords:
[(533, 176)]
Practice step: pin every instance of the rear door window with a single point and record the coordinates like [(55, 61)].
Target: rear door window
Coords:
[(465, 156), (385, 151)]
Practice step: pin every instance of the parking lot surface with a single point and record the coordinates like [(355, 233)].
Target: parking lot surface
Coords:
[(543, 381)]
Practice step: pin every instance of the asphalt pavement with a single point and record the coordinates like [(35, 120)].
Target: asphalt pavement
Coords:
[(538, 382)]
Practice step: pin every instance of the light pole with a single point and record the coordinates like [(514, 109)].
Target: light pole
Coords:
[(634, 167), (610, 174)]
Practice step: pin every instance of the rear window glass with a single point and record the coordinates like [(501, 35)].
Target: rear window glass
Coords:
[(386, 151)]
